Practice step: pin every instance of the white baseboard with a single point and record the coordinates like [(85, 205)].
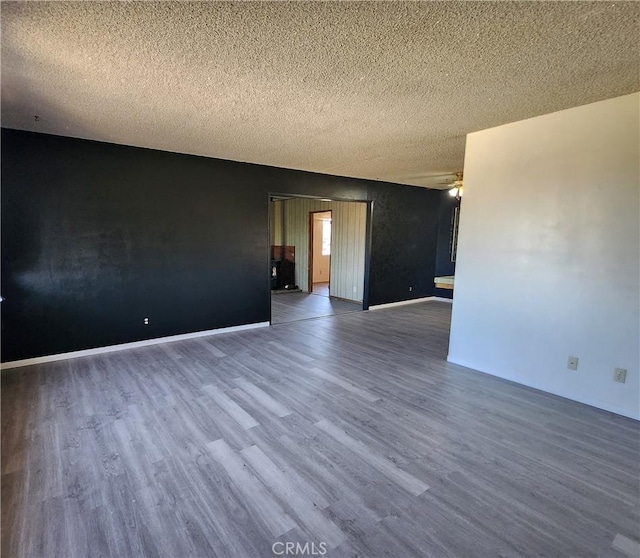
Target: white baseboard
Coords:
[(412, 301), (442, 299), (125, 346), (603, 405)]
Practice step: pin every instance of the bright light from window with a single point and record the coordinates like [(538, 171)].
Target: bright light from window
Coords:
[(326, 237)]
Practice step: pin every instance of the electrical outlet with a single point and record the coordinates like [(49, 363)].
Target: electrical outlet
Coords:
[(146, 321), (620, 375), (572, 363), (410, 289)]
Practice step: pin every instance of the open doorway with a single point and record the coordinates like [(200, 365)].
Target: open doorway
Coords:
[(318, 257), (320, 253)]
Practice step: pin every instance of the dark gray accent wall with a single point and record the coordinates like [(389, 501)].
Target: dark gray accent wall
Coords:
[(97, 236), (444, 265)]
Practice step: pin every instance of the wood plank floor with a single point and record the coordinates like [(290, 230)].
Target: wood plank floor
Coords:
[(351, 431), (291, 307), (321, 289)]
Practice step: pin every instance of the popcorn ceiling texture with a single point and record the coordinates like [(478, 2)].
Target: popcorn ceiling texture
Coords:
[(380, 90)]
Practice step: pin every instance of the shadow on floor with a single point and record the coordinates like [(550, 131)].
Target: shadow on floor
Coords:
[(321, 289)]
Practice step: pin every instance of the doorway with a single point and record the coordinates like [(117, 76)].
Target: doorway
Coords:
[(334, 233), (320, 253)]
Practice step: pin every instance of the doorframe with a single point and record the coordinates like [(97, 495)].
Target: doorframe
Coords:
[(370, 204), (311, 235)]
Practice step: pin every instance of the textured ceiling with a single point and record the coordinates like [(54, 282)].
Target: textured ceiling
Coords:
[(381, 90)]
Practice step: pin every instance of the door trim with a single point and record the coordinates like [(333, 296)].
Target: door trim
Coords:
[(311, 234)]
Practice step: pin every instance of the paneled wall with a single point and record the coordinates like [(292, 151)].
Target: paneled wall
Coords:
[(348, 230), (275, 223)]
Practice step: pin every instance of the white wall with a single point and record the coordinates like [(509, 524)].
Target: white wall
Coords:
[(548, 251)]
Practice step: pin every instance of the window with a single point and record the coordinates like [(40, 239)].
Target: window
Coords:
[(326, 237)]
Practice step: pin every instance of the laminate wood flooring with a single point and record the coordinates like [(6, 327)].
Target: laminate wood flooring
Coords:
[(321, 289), (351, 433), (292, 307)]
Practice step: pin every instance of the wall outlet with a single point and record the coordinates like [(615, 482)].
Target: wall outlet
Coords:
[(620, 375), (410, 289), (572, 363), (146, 321)]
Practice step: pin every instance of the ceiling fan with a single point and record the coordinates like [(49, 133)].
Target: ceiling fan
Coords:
[(456, 187)]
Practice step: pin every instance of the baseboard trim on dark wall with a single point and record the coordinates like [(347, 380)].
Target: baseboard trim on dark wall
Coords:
[(126, 346), (96, 237)]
